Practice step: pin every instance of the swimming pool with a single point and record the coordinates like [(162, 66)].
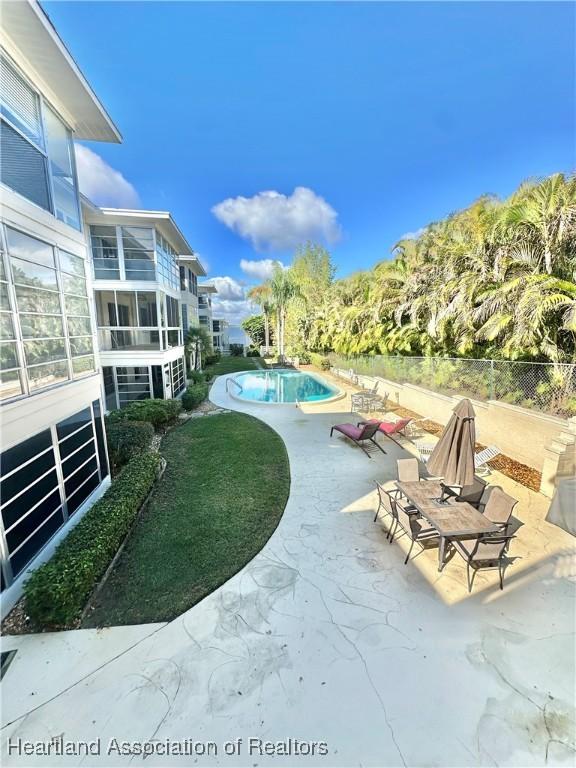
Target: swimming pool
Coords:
[(282, 386)]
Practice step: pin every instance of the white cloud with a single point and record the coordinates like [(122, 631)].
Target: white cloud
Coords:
[(230, 302), (262, 269), (413, 235), (101, 183), (228, 288), (276, 222)]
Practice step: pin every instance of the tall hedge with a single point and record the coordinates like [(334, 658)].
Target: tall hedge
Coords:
[(126, 439), (159, 413), (57, 591)]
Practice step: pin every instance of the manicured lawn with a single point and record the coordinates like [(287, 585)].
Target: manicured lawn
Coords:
[(231, 364), (221, 497)]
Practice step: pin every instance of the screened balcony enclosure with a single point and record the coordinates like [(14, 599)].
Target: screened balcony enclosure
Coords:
[(133, 253), (137, 320), (125, 384)]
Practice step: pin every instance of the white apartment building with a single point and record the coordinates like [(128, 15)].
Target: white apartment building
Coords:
[(53, 461), (145, 278), (218, 328)]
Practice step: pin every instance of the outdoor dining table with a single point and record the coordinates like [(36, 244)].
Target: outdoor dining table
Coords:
[(452, 519)]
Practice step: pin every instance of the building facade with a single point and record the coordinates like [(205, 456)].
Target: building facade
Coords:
[(144, 293), (53, 459), (217, 328)]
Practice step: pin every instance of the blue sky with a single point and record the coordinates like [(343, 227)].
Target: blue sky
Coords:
[(382, 116)]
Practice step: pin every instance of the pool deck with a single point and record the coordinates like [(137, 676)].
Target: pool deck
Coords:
[(326, 636)]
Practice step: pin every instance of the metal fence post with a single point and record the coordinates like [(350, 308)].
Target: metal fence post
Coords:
[(492, 389)]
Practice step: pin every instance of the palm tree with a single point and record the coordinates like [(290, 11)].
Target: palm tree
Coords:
[(261, 295), (198, 344), (284, 290)]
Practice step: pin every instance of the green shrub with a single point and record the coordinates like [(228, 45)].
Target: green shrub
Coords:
[(305, 358), (126, 439), (56, 593), (320, 361), (237, 350), (194, 395), (253, 353), (160, 413), (211, 359), (197, 377)]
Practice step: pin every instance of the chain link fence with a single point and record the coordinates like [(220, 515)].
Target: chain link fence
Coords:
[(546, 387)]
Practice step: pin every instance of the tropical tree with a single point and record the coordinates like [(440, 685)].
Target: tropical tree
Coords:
[(262, 295), (197, 344), (285, 292)]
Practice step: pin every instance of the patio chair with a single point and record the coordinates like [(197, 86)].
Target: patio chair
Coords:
[(408, 470), (386, 502), (474, 492), (412, 523), (390, 428), (498, 507), (359, 435), (482, 458), (486, 551)]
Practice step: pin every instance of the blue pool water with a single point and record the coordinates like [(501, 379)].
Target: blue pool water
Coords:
[(282, 386)]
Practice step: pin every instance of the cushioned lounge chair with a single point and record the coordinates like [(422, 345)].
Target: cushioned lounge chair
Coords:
[(390, 428), (359, 435)]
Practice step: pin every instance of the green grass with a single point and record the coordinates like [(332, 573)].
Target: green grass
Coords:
[(221, 497), (230, 364)]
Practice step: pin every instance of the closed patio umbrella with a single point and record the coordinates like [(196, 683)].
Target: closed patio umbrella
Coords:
[(453, 456)]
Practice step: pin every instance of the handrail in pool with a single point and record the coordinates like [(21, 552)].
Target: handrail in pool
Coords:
[(235, 381)]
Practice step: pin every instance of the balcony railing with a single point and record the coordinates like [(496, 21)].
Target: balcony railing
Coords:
[(128, 339)]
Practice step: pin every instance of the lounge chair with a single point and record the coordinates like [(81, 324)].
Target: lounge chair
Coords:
[(359, 435), (486, 551), (390, 428), (482, 458), (498, 506)]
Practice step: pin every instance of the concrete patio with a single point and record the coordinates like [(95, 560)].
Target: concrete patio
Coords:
[(326, 636)]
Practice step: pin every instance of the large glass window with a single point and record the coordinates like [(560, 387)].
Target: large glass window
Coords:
[(53, 316), (61, 158), (168, 270), (126, 307), (28, 148), (133, 384), (78, 322), (138, 246), (10, 376), (177, 374), (104, 244), (147, 311)]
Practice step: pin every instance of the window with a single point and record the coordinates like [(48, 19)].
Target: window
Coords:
[(177, 374), (126, 308), (10, 377), (138, 246), (147, 312), (183, 278), (109, 388), (36, 500), (61, 158), (104, 244), (168, 271), (78, 322), (133, 384), (40, 309), (28, 148), (172, 312), (50, 334), (184, 317)]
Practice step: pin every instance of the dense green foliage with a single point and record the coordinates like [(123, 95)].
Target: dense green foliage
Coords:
[(236, 350), (223, 493), (256, 330), (125, 439), (57, 592), (198, 377), (495, 280), (159, 413), (194, 395)]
